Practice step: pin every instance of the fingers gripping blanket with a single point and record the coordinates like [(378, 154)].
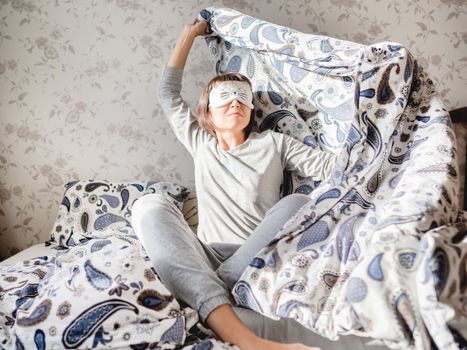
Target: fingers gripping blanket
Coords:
[(380, 251)]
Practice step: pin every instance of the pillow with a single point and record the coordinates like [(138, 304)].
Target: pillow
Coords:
[(97, 209)]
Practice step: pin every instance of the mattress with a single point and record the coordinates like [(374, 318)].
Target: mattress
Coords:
[(33, 251)]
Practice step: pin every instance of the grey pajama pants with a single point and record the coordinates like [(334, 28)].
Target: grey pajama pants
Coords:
[(201, 274)]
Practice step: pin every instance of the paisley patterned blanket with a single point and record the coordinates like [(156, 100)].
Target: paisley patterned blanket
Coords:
[(380, 251)]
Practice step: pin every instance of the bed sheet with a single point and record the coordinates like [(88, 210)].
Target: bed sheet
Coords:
[(33, 251)]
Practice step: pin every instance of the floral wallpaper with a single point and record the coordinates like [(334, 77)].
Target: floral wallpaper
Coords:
[(78, 86)]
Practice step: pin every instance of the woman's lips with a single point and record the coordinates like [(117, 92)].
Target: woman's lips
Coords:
[(235, 114)]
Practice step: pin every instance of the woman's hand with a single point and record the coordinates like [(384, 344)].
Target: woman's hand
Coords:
[(197, 27), (185, 42)]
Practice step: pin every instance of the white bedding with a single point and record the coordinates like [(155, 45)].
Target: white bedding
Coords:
[(29, 253)]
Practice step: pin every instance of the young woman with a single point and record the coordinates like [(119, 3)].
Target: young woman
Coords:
[(238, 174)]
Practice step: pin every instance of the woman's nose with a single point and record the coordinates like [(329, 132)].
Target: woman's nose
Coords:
[(234, 103)]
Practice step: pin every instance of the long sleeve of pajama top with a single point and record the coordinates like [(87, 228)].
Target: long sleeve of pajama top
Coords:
[(235, 188)]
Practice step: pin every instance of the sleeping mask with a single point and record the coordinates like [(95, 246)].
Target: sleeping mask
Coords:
[(227, 91)]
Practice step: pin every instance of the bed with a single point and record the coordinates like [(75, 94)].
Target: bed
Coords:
[(91, 284), (387, 229)]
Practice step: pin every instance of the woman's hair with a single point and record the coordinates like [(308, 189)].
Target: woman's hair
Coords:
[(202, 109)]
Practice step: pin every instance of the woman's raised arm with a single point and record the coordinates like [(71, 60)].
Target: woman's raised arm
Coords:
[(179, 115), (185, 42)]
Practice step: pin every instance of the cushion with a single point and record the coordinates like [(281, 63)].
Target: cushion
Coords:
[(101, 208)]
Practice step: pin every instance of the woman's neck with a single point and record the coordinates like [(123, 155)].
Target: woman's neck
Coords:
[(230, 140)]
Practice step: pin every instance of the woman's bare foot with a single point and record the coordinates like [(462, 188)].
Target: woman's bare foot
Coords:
[(228, 327)]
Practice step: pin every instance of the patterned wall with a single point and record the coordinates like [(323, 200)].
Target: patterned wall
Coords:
[(78, 86)]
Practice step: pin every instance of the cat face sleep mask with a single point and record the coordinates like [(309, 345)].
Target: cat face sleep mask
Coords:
[(227, 91)]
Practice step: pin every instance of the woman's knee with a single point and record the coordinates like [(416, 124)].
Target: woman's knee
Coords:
[(148, 210), (152, 203), (295, 199)]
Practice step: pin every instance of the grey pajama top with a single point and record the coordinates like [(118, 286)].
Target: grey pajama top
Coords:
[(235, 188)]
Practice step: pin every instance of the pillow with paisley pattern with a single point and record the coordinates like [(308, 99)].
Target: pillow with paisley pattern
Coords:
[(97, 209)]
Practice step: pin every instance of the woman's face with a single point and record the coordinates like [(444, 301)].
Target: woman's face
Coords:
[(233, 116)]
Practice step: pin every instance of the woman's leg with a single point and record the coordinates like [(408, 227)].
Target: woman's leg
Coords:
[(185, 265), (231, 269), (229, 327)]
